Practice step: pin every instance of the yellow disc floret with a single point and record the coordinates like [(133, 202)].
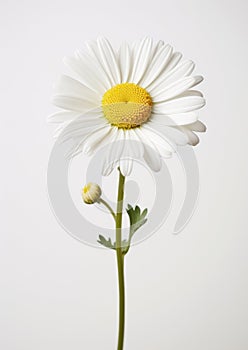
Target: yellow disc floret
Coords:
[(127, 105)]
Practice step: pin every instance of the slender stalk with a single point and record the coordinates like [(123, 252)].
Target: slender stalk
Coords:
[(102, 201), (120, 261), (128, 243)]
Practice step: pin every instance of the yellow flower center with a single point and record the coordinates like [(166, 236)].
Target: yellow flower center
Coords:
[(127, 105), (86, 188)]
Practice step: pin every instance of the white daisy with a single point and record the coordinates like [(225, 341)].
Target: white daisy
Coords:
[(141, 94)]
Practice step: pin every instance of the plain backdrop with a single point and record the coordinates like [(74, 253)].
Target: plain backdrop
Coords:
[(184, 292)]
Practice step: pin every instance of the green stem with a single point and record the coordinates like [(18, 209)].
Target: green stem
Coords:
[(128, 243), (102, 201), (120, 261)]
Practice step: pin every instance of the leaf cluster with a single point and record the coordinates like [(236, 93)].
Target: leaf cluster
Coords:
[(137, 219)]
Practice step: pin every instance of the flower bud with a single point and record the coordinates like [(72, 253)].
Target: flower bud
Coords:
[(91, 193)]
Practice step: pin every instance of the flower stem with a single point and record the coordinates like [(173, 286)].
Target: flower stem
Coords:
[(120, 261), (102, 201)]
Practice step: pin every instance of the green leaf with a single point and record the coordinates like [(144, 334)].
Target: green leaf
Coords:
[(108, 243), (136, 218), (144, 213), (105, 242)]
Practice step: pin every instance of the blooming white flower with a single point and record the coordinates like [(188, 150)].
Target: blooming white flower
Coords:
[(142, 93), (91, 193)]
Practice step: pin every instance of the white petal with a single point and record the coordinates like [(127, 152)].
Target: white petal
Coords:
[(152, 158), (163, 150), (87, 74), (62, 116), (95, 55), (72, 103), (197, 126), (124, 62), (190, 93), (77, 147), (171, 134), (109, 60), (97, 139), (131, 150), (175, 119), (151, 153), (80, 133), (95, 65), (95, 69), (193, 139), (126, 147), (82, 124), (58, 131), (73, 131), (141, 60), (175, 88), (164, 147), (113, 153), (179, 105), (79, 142), (126, 166), (174, 60), (135, 144), (157, 47), (107, 169), (157, 65), (71, 87), (183, 69)]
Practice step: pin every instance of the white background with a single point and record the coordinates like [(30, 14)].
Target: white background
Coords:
[(184, 292)]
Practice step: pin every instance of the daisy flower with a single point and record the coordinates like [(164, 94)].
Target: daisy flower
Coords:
[(140, 95)]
